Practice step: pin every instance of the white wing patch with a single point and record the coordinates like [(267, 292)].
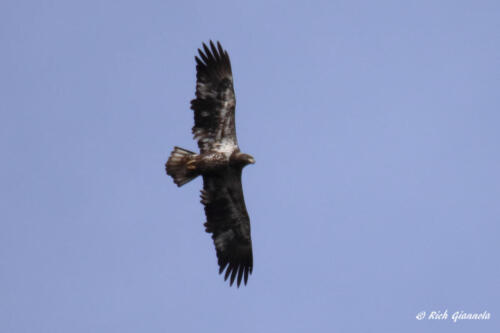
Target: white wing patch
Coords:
[(226, 147)]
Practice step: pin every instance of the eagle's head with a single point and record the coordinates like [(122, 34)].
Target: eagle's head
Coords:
[(241, 159)]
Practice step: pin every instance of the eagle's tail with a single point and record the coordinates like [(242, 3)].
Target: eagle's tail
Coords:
[(177, 166)]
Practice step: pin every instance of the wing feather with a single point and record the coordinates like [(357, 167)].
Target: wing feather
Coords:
[(215, 103), (228, 221)]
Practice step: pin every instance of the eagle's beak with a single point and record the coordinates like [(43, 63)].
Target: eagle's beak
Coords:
[(251, 160)]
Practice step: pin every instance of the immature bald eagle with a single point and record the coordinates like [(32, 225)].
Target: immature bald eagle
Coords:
[(220, 163)]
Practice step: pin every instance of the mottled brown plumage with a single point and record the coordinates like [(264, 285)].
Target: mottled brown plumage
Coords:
[(220, 163)]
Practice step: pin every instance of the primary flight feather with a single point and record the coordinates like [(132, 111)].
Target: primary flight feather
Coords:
[(219, 162)]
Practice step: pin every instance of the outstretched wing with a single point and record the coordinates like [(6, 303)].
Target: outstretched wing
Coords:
[(215, 102), (228, 221)]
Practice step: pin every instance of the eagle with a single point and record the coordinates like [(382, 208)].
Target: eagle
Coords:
[(220, 163)]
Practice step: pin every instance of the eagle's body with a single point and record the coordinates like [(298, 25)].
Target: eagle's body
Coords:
[(219, 162)]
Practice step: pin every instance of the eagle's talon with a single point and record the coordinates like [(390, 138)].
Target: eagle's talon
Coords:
[(191, 165)]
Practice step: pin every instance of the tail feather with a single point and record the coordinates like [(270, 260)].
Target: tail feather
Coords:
[(176, 166)]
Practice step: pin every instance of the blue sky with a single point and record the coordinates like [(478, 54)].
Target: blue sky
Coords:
[(375, 127)]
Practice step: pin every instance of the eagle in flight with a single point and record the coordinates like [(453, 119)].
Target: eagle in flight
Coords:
[(219, 162)]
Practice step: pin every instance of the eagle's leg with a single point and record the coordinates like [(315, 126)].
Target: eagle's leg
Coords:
[(191, 164)]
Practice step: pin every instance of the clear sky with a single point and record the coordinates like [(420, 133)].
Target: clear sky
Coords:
[(376, 193)]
